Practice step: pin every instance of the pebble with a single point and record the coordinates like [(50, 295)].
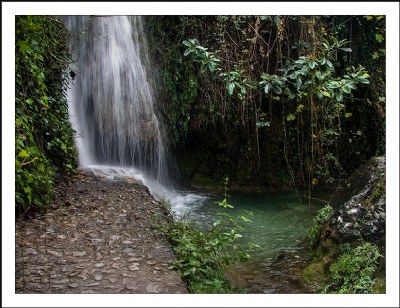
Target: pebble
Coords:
[(113, 279), (99, 265)]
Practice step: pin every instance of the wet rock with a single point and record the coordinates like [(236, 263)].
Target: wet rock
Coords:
[(360, 205)]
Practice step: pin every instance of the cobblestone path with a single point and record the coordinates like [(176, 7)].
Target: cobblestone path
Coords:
[(96, 237)]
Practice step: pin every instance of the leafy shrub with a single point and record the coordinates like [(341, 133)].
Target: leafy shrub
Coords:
[(202, 256), (319, 220), (354, 269), (44, 145)]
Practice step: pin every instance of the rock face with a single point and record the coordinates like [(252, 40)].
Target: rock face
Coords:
[(360, 206), (359, 216)]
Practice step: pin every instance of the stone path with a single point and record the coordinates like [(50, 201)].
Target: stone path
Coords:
[(96, 237)]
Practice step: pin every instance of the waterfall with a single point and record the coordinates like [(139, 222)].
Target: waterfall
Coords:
[(113, 107), (112, 102)]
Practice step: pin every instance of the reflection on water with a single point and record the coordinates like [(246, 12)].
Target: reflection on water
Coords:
[(279, 225)]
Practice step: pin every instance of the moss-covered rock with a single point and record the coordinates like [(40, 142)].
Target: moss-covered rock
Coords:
[(358, 221), (379, 286), (315, 275)]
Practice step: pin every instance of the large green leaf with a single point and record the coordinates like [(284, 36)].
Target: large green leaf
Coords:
[(324, 93), (230, 86)]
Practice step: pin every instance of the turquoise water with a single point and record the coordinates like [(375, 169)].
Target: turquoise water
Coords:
[(280, 222)]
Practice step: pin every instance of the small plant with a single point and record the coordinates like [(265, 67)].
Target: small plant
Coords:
[(202, 256), (354, 269), (319, 220)]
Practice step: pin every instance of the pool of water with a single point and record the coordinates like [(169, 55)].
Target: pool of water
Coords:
[(280, 223)]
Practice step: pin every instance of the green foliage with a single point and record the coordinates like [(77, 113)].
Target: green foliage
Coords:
[(203, 255), (269, 100), (322, 217), (44, 145), (353, 271), (200, 54)]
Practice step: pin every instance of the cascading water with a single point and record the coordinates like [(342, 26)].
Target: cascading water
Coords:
[(112, 103)]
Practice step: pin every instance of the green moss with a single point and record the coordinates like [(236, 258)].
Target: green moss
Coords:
[(316, 275), (379, 286)]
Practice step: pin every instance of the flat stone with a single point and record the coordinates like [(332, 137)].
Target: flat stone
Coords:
[(110, 286), (133, 259), (30, 251), (74, 285), (115, 265), (113, 280), (127, 242), (97, 241), (79, 253), (59, 281), (99, 265), (134, 267), (74, 273), (93, 284), (152, 288), (22, 260), (62, 236), (55, 253), (128, 250), (98, 277), (131, 286), (151, 262), (116, 258)]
